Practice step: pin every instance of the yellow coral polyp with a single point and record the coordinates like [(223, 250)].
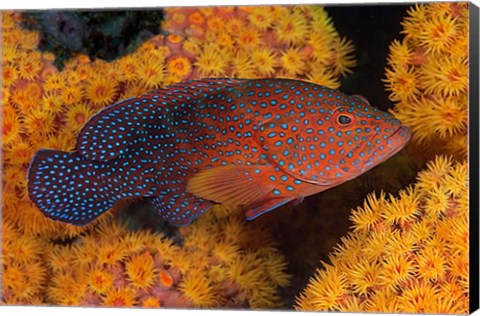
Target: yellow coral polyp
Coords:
[(128, 65), (100, 280), (151, 302), (67, 289), (234, 25), (367, 216), (10, 74), (343, 61), (449, 118), (111, 253), (319, 76), (275, 267), (293, 61), (179, 67), (248, 38), (431, 265), (365, 276), (445, 76), (243, 271), (40, 122), (292, 29), (151, 73), (396, 270), (20, 152), (12, 126), (51, 102), (71, 95), (78, 115), (264, 60), (120, 297), (215, 23), (404, 209), (400, 54), (53, 82), (319, 43), (243, 65), (199, 291), (323, 291), (403, 83), (100, 90), (29, 66), (438, 33), (261, 17), (208, 63), (141, 270)]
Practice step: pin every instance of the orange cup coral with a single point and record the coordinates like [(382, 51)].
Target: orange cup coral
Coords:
[(113, 266), (263, 41), (427, 75), (405, 254)]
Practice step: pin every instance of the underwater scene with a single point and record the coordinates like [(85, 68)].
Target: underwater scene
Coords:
[(288, 157)]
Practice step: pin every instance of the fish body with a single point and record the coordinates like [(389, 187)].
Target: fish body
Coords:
[(257, 143)]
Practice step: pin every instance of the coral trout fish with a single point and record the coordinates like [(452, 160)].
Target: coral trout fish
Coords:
[(254, 143)]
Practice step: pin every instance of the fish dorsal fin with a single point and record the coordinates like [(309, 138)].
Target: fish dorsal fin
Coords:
[(361, 97), (232, 185), (111, 131), (285, 145)]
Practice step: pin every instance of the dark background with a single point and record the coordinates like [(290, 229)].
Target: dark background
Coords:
[(371, 28)]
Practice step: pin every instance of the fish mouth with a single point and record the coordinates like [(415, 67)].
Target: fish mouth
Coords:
[(398, 139), (402, 135)]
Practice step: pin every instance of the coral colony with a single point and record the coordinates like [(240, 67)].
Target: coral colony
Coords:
[(427, 75), (405, 252)]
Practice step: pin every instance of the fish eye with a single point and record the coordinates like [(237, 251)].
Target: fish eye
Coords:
[(344, 119)]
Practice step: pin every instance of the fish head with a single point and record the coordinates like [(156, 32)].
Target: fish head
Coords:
[(332, 142), (364, 137)]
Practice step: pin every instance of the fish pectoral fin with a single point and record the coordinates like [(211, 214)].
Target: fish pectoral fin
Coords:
[(297, 201), (256, 210), (232, 185)]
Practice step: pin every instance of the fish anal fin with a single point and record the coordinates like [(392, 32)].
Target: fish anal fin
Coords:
[(256, 210), (180, 209), (232, 185)]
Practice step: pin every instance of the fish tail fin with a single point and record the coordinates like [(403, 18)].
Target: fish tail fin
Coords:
[(68, 188)]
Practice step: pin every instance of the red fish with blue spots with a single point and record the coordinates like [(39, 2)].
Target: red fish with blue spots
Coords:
[(253, 143)]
